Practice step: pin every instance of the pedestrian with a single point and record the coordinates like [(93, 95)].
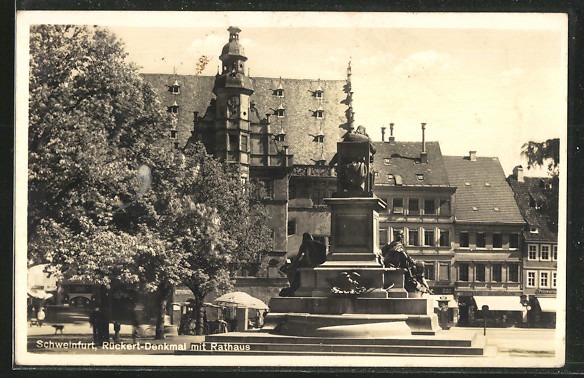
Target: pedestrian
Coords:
[(117, 328), (95, 319), (40, 316), (135, 323)]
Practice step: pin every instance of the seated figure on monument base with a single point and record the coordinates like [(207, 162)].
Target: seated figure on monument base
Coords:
[(310, 254), (394, 255)]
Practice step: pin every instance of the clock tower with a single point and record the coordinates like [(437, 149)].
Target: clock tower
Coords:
[(233, 90)]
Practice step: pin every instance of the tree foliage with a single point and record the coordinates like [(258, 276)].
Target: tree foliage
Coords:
[(540, 153), (108, 199)]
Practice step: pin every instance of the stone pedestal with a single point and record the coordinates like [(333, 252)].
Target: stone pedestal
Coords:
[(384, 310)]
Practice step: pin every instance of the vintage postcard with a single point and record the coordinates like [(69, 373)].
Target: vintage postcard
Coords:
[(290, 189)]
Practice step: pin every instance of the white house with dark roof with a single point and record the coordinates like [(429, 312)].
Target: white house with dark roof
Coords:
[(488, 228), (411, 177)]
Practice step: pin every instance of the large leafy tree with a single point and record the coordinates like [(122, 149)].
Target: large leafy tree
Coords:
[(108, 202), (540, 154)]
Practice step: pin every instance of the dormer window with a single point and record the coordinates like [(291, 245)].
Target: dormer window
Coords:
[(279, 137), (280, 111), (420, 177), (533, 230), (279, 92), (386, 161), (318, 94), (319, 138), (391, 179), (175, 145), (173, 108), (320, 162), (174, 88), (173, 134), (319, 114)]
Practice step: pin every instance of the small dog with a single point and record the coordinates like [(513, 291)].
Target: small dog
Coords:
[(58, 328)]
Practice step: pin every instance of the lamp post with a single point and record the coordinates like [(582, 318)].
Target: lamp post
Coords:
[(526, 309), (485, 310)]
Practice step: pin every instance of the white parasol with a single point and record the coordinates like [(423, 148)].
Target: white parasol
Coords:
[(241, 299)]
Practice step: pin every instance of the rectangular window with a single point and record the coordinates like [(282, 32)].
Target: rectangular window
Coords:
[(396, 233), (463, 272), (554, 252), (480, 272), (514, 241), (444, 238), (292, 191), (382, 237), (444, 271), (445, 207), (173, 134), (429, 238), (464, 239), (481, 240), (513, 272), (175, 145), (244, 143), (497, 240), (543, 279), (554, 279), (429, 207), (318, 195), (398, 205), (413, 238), (429, 271), (232, 142), (497, 274), (545, 252), (414, 206), (531, 279), (532, 252), (292, 227)]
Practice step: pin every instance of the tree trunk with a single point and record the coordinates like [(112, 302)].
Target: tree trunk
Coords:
[(161, 301), (199, 321), (106, 309)]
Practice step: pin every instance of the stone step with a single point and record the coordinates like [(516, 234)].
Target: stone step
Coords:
[(266, 338), (246, 344)]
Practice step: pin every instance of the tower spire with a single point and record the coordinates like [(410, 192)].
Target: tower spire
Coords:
[(350, 114)]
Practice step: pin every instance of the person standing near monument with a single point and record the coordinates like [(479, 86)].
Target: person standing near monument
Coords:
[(41, 316)]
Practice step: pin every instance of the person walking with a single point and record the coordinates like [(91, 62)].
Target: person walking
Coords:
[(95, 319)]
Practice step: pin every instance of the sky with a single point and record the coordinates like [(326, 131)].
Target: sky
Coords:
[(482, 82)]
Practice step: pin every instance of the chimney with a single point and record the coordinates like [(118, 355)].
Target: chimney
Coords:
[(423, 154), (383, 134), (518, 173), (472, 155), (391, 137)]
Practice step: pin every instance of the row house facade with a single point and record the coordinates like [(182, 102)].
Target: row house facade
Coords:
[(537, 198)]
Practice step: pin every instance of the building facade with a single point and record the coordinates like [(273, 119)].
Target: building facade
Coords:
[(537, 199)]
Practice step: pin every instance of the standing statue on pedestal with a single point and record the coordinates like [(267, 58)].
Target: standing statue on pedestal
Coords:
[(393, 255), (354, 160), (310, 254)]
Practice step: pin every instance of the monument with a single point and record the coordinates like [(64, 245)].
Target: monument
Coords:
[(352, 293)]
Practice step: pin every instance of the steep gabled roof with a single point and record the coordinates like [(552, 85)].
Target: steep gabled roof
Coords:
[(524, 192), (299, 122), (482, 195), (402, 160)]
